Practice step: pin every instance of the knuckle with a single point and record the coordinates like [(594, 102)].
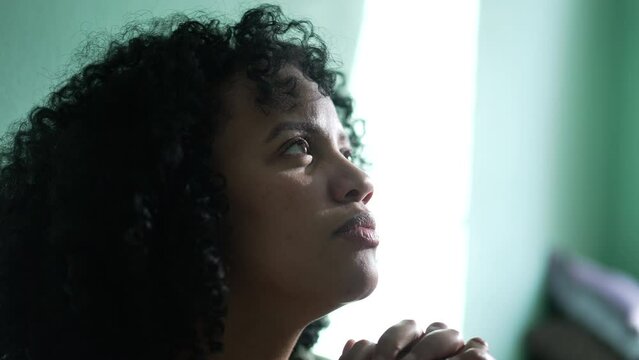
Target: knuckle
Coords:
[(362, 342), (359, 345), (453, 333), (409, 322), (389, 337)]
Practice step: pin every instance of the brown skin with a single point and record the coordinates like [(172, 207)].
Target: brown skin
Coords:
[(287, 198), (289, 191), (406, 342)]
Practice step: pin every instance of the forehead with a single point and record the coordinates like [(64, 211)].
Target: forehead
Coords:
[(295, 99)]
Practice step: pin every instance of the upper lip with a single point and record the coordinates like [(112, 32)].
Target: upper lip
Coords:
[(363, 219)]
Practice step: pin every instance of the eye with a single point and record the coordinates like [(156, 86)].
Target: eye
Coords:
[(297, 146), (348, 153)]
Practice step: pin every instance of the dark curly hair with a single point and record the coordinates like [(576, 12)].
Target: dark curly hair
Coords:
[(112, 224)]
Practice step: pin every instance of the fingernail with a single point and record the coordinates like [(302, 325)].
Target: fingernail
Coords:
[(436, 326), (479, 341)]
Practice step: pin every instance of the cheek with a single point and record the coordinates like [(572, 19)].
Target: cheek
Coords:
[(271, 218), (282, 241), (282, 202)]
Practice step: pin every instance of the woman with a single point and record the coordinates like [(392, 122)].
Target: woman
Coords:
[(193, 194)]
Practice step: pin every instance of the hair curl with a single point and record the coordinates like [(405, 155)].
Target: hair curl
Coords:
[(111, 222)]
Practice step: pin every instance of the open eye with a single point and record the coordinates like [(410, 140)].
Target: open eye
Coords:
[(348, 153), (297, 146)]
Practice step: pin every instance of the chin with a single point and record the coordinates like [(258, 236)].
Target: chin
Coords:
[(361, 284), (353, 289), (368, 289), (346, 281)]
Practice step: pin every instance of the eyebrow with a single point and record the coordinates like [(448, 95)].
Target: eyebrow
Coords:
[(306, 127)]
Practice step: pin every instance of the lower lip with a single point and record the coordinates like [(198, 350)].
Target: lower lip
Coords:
[(364, 237)]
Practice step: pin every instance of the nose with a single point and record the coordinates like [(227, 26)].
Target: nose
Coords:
[(350, 184)]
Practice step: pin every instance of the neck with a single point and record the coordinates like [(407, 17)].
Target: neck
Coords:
[(261, 327)]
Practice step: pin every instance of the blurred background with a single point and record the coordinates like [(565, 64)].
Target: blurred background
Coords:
[(499, 132)]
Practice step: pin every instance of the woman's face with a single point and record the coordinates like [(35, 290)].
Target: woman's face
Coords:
[(291, 187)]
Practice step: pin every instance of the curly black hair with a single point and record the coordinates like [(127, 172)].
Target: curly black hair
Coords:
[(112, 224)]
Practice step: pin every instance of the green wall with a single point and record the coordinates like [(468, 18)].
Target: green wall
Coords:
[(556, 153), (39, 37), (588, 118), (622, 245), (518, 112), (556, 156)]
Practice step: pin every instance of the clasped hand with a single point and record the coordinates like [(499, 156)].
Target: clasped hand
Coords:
[(405, 341)]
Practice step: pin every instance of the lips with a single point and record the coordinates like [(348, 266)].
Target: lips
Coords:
[(360, 229), (363, 220)]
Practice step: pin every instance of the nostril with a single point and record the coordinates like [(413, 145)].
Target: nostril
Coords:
[(352, 195)]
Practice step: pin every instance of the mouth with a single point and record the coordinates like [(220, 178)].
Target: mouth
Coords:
[(360, 229)]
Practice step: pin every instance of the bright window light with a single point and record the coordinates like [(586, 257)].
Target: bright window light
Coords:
[(414, 82)]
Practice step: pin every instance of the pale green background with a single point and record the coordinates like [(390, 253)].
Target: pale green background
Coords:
[(38, 37), (556, 155), (556, 150)]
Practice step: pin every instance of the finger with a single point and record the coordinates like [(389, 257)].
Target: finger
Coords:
[(435, 326), (476, 343), (396, 338), (475, 349), (474, 354), (436, 345), (349, 344), (361, 350)]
